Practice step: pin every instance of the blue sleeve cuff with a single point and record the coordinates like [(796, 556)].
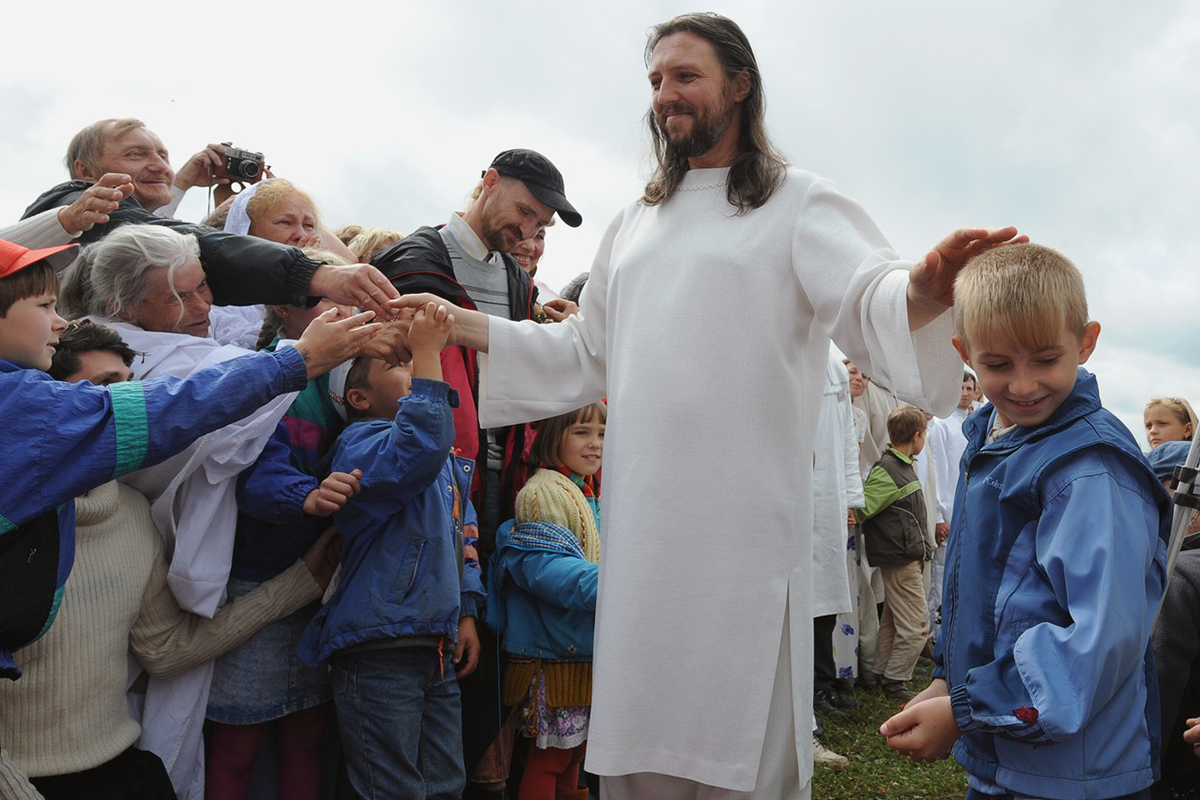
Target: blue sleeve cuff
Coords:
[(469, 606), (960, 704), (298, 492), (8, 667), (434, 390), (291, 364)]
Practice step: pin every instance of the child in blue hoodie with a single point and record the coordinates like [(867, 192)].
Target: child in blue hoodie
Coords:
[(1044, 685), (403, 615)]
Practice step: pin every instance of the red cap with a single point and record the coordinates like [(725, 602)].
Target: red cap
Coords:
[(13, 257)]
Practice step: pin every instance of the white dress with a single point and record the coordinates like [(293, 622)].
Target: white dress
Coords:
[(708, 333)]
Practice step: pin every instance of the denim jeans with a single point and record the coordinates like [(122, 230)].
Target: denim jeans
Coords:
[(973, 794), (398, 713)]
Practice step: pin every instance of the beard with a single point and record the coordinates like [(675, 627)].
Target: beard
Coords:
[(707, 129)]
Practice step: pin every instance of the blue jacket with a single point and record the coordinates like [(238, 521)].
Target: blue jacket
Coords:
[(543, 592), (1054, 570), (63, 439), (402, 559)]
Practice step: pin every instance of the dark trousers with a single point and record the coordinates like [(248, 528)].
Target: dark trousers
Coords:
[(133, 775), (824, 672)]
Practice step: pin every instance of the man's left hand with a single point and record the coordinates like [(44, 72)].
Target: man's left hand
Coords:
[(359, 285), (466, 652), (931, 281)]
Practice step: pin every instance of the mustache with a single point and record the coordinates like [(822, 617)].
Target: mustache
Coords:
[(679, 107)]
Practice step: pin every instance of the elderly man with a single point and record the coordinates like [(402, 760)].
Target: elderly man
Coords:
[(120, 175), (702, 681)]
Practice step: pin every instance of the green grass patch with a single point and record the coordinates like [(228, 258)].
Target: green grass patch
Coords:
[(875, 771)]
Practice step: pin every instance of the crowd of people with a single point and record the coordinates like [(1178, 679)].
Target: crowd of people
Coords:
[(340, 489)]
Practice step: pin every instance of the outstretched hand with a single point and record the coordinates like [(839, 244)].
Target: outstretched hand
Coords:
[(93, 206), (931, 281), (358, 285), (328, 341)]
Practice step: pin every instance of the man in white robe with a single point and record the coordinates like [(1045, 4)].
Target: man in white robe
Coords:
[(707, 328)]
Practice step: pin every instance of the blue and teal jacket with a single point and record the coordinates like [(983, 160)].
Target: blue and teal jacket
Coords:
[(1054, 570), (403, 570), (62, 439), (542, 592)]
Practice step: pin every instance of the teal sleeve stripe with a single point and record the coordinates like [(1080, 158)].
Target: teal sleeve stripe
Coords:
[(58, 596), (133, 428), (5, 525)]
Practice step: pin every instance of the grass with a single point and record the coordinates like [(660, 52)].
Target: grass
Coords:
[(876, 771)]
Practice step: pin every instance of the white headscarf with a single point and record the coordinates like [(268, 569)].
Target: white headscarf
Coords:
[(238, 220)]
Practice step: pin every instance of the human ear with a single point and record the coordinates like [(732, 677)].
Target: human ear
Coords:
[(742, 85), (963, 352), (1087, 342), (83, 172), (357, 399)]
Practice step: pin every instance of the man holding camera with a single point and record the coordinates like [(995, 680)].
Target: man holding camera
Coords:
[(121, 175)]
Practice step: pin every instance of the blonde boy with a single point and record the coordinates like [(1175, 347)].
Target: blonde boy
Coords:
[(1056, 560)]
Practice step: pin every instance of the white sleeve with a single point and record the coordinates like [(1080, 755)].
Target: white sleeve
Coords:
[(41, 230), (512, 378), (946, 473), (168, 211), (865, 311)]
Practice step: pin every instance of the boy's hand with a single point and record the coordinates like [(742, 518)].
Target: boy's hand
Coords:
[(328, 341), (322, 558), (430, 328), (559, 309), (925, 731), (333, 493), (1192, 735), (941, 532), (466, 652), (936, 688), (391, 343)]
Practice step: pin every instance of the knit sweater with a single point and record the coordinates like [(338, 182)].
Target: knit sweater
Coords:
[(68, 712)]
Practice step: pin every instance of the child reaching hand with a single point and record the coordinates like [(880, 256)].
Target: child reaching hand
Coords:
[(403, 615), (543, 588), (1056, 562)]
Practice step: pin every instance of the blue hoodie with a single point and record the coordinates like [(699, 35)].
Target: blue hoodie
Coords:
[(1054, 570)]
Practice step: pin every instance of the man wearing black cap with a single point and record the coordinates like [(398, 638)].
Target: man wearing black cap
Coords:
[(467, 262)]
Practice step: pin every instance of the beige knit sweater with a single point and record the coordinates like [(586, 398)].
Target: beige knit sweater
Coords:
[(68, 712)]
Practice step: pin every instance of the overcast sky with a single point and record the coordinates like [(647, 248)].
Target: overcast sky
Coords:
[(1077, 122)]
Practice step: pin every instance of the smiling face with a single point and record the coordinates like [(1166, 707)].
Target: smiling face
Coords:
[(581, 447), (528, 252), (1027, 385), (697, 108), (1164, 425), (183, 311), (858, 381), (29, 330), (140, 154), (291, 221), (509, 213)]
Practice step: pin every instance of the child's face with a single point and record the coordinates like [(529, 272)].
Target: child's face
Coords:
[(387, 385), (1162, 425), (29, 331), (582, 447), (1028, 386)]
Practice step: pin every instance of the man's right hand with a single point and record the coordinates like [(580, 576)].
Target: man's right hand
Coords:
[(200, 169), (328, 341), (95, 204), (358, 285)]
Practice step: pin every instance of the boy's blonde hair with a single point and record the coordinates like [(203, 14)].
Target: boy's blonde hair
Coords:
[(1179, 407), (1025, 293), (370, 241), (904, 423)]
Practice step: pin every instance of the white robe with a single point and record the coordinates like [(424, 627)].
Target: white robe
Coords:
[(708, 332)]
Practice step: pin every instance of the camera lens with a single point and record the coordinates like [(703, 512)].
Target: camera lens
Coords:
[(249, 169)]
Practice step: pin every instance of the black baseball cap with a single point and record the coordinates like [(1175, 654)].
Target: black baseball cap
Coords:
[(541, 177)]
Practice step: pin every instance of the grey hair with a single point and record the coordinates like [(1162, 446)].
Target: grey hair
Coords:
[(116, 267)]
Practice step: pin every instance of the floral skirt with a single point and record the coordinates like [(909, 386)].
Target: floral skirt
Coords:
[(562, 727)]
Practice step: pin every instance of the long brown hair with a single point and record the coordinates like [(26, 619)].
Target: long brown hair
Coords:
[(759, 168)]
